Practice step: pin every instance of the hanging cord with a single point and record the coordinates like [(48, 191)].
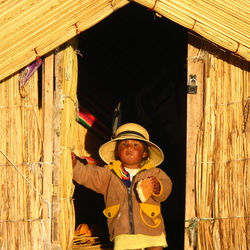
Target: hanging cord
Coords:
[(48, 204), (193, 225), (151, 9), (246, 112), (192, 230)]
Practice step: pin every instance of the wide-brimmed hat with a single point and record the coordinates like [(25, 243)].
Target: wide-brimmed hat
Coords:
[(135, 132)]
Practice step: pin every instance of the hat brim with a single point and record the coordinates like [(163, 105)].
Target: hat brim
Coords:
[(107, 150)]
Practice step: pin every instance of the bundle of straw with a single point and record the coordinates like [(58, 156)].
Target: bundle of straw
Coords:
[(20, 211), (66, 105), (214, 20), (222, 159)]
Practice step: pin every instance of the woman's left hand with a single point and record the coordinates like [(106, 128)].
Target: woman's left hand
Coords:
[(155, 184)]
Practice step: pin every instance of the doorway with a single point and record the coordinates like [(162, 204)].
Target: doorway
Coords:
[(138, 60)]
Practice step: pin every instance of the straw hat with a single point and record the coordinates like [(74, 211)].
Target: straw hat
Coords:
[(131, 131)]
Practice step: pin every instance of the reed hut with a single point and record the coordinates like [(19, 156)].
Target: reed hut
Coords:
[(194, 98)]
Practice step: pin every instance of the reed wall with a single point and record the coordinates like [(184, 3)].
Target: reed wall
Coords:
[(21, 168), (222, 176)]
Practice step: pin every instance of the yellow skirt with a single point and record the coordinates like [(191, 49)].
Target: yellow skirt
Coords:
[(138, 241)]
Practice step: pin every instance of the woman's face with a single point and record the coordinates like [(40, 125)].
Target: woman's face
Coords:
[(131, 153)]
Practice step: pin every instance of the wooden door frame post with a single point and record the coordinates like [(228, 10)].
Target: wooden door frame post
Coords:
[(48, 117), (195, 66)]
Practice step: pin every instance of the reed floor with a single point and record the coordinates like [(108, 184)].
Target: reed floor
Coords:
[(93, 247)]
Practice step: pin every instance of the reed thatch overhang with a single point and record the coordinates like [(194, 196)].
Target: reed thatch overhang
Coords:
[(31, 28)]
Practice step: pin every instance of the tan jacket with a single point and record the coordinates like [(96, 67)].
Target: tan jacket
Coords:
[(126, 215)]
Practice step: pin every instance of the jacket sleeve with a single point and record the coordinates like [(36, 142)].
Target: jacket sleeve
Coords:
[(91, 176), (166, 186)]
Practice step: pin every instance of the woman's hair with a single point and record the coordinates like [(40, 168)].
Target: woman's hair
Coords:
[(145, 145)]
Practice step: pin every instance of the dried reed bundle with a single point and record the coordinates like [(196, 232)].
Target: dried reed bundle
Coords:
[(72, 138), (203, 16), (53, 22), (68, 136), (224, 22), (222, 175), (20, 212)]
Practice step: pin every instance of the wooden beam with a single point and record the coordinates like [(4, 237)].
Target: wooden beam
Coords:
[(57, 149), (47, 106), (194, 116)]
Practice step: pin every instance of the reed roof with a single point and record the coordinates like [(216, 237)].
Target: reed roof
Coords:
[(31, 28)]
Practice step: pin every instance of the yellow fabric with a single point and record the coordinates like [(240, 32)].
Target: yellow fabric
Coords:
[(161, 188), (110, 212), (151, 211), (115, 166), (139, 241)]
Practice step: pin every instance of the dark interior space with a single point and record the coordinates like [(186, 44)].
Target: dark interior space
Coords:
[(137, 59)]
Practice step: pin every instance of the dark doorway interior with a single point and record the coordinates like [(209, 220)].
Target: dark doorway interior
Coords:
[(138, 59)]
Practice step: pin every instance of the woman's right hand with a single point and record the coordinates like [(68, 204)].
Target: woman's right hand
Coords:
[(73, 158)]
